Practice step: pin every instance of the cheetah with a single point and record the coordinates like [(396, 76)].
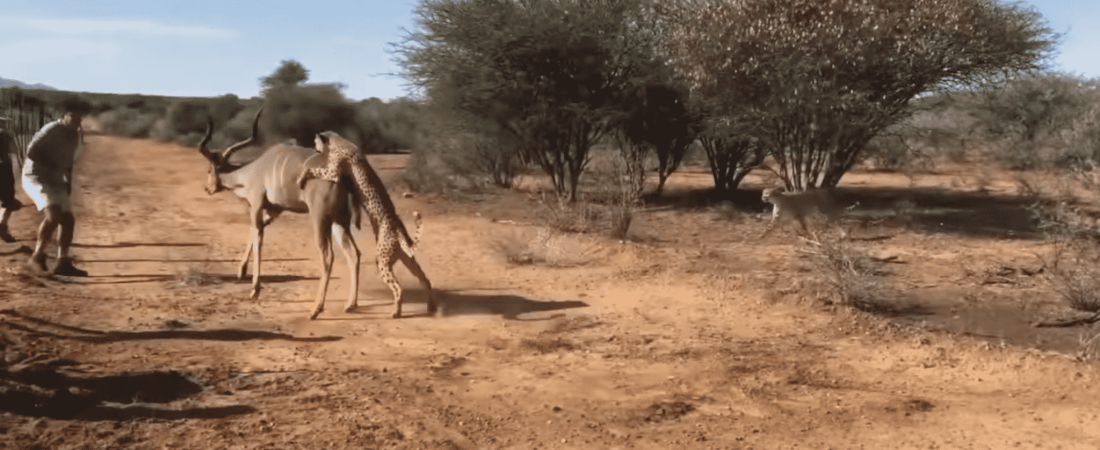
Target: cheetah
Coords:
[(342, 158), (800, 205)]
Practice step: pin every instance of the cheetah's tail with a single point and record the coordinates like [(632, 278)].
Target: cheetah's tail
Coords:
[(411, 245)]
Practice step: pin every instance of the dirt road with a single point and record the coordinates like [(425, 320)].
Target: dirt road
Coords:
[(694, 339)]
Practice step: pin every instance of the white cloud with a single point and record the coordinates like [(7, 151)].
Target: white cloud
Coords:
[(39, 51), (93, 26)]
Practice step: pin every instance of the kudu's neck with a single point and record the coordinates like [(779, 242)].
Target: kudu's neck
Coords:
[(231, 180)]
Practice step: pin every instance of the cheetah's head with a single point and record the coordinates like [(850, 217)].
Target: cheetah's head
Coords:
[(769, 192), (329, 140)]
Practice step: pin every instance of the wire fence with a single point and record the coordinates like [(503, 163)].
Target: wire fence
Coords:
[(25, 115)]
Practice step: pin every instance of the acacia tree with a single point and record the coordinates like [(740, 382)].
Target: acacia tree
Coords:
[(545, 71), (1032, 112), (290, 73), (732, 149), (303, 111), (821, 78), (654, 117)]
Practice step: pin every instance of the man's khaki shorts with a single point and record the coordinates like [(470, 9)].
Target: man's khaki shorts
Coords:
[(46, 193)]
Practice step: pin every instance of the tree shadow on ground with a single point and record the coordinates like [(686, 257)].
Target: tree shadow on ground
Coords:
[(943, 211), (922, 209), (46, 391), (185, 261), (210, 279), (41, 327), (34, 382), (14, 249), (141, 244), (689, 199)]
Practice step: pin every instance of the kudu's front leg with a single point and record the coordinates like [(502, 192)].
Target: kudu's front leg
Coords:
[(242, 270), (258, 243), (352, 255)]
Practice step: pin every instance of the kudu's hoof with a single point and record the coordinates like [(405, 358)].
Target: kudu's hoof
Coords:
[(350, 307), (255, 294), (316, 313), (396, 315)]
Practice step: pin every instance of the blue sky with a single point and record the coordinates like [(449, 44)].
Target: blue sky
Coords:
[(200, 47), (210, 48)]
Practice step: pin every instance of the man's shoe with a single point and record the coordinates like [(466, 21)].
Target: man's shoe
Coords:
[(65, 268), (38, 261), (13, 205)]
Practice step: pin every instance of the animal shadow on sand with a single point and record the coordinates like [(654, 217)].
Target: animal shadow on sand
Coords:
[(135, 278), (507, 306), (453, 304)]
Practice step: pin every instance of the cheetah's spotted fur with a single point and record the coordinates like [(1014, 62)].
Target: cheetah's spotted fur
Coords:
[(343, 159)]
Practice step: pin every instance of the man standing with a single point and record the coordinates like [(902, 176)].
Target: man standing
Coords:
[(8, 203), (48, 180)]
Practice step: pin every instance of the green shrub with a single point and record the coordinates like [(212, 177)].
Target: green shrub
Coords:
[(125, 121), (301, 112)]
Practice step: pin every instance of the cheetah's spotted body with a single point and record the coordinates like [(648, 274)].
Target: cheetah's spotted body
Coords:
[(343, 159), (800, 205)]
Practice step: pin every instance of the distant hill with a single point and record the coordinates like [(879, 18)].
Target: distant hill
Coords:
[(4, 82)]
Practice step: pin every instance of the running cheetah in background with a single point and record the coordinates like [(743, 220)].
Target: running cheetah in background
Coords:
[(800, 205), (343, 158)]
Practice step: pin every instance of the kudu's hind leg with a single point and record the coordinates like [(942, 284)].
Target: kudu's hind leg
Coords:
[(352, 254), (323, 234), (414, 268)]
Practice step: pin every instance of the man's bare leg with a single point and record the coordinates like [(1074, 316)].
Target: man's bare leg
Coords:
[(65, 266), (45, 233), (5, 234)]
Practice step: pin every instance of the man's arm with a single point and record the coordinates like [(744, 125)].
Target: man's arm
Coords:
[(38, 150), (46, 151)]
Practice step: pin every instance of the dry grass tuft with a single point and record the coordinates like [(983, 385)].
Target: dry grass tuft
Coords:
[(197, 277), (1073, 267), (544, 246), (852, 278)]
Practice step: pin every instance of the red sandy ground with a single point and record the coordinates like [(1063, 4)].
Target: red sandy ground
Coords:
[(696, 334)]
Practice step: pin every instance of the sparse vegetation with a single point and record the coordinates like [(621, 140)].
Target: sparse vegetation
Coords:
[(544, 246), (544, 136), (555, 77), (851, 277), (817, 80), (197, 276), (582, 216), (1073, 265)]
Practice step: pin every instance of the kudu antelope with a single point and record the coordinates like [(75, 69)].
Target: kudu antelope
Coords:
[(269, 185)]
